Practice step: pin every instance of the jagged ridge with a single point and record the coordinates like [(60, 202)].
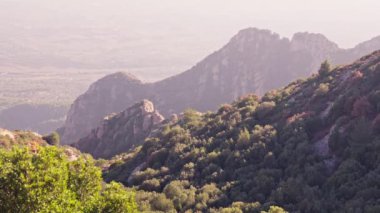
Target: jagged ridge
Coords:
[(253, 61)]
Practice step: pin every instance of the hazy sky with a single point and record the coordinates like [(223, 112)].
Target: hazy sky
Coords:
[(158, 38), (346, 22)]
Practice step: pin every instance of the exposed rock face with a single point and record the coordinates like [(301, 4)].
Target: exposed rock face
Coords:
[(254, 61), (112, 93), (120, 132)]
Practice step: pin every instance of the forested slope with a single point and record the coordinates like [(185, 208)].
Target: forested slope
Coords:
[(312, 146)]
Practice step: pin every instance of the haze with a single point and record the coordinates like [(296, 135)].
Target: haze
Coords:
[(52, 50), (159, 38), (47, 46)]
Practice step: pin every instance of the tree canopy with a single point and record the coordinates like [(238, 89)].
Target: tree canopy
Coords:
[(46, 181)]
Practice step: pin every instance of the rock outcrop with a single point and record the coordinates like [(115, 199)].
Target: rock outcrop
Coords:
[(254, 61), (120, 132), (112, 93)]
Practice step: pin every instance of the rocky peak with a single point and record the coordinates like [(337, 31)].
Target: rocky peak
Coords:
[(122, 75), (370, 43), (146, 106), (122, 131), (252, 38), (306, 40), (113, 93), (254, 34), (314, 46), (362, 48)]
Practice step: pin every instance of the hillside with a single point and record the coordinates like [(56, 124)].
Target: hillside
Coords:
[(253, 61), (9, 139), (312, 146)]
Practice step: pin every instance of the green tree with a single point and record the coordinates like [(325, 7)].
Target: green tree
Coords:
[(192, 118), (115, 199), (162, 203), (52, 139), (325, 68), (46, 181), (35, 183), (84, 180), (243, 138)]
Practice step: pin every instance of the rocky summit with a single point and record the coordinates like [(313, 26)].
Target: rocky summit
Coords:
[(120, 132)]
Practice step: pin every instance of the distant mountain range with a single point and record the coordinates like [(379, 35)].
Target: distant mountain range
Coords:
[(253, 61)]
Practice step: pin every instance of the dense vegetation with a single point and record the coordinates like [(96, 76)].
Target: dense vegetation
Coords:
[(313, 146), (46, 180)]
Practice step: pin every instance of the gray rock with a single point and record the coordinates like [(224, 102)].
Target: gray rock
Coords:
[(120, 132)]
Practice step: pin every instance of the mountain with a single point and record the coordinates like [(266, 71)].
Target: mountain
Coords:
[(252, 61), (312, 146), (121, 132), (112, 93)]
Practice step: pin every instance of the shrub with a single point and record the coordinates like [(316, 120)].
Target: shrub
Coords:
[(225, 108), (325, 68), (264, 108), (276, 209), (322, 89), (161, 203), (243, 139), (52, 139), (192, 118), (116, 199), (151, 185)]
